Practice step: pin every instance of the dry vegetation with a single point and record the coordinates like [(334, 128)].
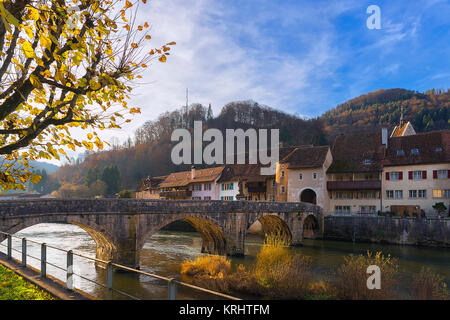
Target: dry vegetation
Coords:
[(279, 274)]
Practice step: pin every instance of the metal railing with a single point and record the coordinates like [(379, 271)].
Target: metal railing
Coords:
[(172, 284)]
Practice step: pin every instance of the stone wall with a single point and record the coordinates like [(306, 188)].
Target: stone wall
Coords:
[(411, 231)]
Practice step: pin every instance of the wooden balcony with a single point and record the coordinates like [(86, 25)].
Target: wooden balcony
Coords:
[(256, 189), (178, 194), (354, 185)]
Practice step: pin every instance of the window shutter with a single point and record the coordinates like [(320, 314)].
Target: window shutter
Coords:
[(410, 175), (222, 186), (231, 186), (400, 175), (435, 176), (424, 174), (387, 176)]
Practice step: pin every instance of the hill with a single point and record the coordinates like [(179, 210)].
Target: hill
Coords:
[(149, 152), (427, 111)]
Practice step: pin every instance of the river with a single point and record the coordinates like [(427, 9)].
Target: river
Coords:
[(166, 250)]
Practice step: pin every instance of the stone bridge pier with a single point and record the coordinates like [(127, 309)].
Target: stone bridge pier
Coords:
[(121, 227)]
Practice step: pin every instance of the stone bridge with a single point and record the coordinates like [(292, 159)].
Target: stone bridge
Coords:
[(120, 227)]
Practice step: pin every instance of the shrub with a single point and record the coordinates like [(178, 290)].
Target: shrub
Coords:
[(276, 274), (280, 272), (429, 286), (351, 278), (125, 194), (207, 266)]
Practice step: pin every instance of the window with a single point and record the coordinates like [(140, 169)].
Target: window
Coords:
[(447, 193), (342, 209), (368, 195), (367, 162), (400, 152), (438, 149), (207, 198), (394, 194), (398, 194), (226, 198), (415, 151), (196, 198), (300, 176), (417, 174), (282, 189), (344, 195), (198, 187), (437, 193), (393, 175), (315, 175), (207, 186), (367, 209), (227, 186), (418, 194), (282, 174), (442, 174), (274, 183)]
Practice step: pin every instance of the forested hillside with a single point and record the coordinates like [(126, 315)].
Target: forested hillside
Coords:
[(427, 111), (148, 152)]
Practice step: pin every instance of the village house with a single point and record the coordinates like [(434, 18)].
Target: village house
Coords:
[(302, 175), (416, 173), (243, 182), (196, 184), (149, 188), (354, 176)]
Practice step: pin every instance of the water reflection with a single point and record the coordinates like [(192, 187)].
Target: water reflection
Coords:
[(166, 250)]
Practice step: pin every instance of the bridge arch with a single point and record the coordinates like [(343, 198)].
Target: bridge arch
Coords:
[(105, 247), (214, 238), (311, 227), (274, 225)]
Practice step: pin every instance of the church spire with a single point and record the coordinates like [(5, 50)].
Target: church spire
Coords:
[(401, 117)]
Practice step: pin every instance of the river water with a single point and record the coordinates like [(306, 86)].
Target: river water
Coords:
[(166, 250)]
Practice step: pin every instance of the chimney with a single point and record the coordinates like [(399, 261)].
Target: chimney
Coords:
[(384, 136), (192, 172)]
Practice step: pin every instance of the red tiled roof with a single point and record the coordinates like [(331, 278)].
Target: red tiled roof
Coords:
[(184, 178), (248, 172), (351, 151), (432, 147), (306, 157)]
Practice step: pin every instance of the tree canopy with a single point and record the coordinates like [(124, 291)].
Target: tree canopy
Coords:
[(66, 64)]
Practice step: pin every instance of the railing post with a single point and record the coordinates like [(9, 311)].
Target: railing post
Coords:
[(109, 281), (9, 247), (24, 252), (69, 272), (43, 260), (172, 288)]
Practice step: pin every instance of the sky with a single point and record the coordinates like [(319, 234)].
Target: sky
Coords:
[(301, 57)]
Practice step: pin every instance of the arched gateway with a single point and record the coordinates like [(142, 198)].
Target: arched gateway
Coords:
[(120, 227)]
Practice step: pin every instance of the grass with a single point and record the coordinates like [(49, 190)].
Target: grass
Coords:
[(14, 287)]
